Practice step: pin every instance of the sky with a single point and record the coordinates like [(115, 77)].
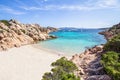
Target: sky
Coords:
[(63, 13)]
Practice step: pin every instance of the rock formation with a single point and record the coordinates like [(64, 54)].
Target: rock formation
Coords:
[(15, 34), (89, 66), (88, 63), (111, 32)]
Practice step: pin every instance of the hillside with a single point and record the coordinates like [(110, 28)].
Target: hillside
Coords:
[(111, 57), (15, 34), (111, 32)]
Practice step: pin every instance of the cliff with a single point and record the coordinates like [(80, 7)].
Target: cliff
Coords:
[(15, 34), (111, 32)]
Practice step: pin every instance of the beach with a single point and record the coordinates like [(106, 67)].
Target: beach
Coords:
[(25, 63)]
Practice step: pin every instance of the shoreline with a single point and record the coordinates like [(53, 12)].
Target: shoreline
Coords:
[(25, 63), (51, 51), (30, 62)]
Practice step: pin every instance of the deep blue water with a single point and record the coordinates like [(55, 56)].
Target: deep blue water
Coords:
[(72, 41)]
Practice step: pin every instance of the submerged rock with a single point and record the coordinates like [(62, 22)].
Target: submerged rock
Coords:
[(52, 36)]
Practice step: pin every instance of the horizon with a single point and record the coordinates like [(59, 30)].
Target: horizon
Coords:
[(57, 13)]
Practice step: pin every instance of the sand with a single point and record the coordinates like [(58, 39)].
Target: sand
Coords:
[(25, 63)]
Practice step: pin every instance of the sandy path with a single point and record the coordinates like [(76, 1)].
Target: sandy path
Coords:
[(25, 63)]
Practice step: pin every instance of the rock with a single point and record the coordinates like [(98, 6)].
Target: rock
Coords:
[(14, 21), (81, 71), (81, 55), (17, 34), (104, 77), (3, 26), (52, 36), (51, 29), (3, 47), (1, 36), (111, 32), (86, 51), (43, 37), (88, 64), (17, 45), (99, 77)]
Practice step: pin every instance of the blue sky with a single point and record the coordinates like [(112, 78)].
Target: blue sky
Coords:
[(63, 13)]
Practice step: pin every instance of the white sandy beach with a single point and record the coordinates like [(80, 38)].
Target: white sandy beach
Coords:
[(25, 63)]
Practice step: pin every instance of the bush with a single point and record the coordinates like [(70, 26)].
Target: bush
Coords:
[(23, 31), (63, 70), (5, 22), (67, 66), (113, 44), (111, 63)]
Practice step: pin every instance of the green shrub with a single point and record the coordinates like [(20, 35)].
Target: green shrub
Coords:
[(23, 31), (111, 63), (67, 66), (5, 22), (63, 70), (113, 44)]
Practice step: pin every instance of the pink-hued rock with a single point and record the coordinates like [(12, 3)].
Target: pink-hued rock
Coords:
[(88, 63), (17, 34), (111, 32)]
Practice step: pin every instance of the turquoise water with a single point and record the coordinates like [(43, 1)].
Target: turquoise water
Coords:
[(72, 42)]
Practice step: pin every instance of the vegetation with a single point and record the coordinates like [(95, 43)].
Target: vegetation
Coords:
[(5, 22), (115, 29), (63, 70), (111, 63), (113, 44), (23, 31), (111, 59)]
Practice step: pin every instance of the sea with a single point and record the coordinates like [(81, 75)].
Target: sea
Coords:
[(72, 41)]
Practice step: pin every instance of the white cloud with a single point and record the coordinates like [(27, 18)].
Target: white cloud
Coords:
[(31, 8), (108, 3), (10, 10), (58, 7), (90, 5)]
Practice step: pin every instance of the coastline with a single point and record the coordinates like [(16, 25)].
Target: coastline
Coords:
[(30, 62), (25, 63), (89, 64), (51, 51)]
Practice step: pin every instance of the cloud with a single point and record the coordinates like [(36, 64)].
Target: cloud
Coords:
[(32, 8), (90, 5), (45, 0), (10, 10), (58, 7), (108, 3)]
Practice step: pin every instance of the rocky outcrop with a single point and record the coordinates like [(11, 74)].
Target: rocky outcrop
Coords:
[(89, 66), (111, 32), (15, 34), (88, 63)]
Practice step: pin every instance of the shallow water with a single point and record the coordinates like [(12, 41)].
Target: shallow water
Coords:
[(72, 42)]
